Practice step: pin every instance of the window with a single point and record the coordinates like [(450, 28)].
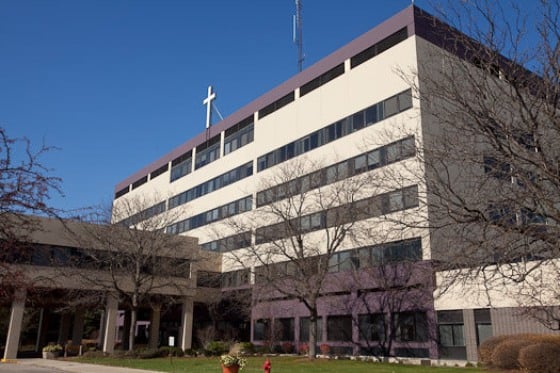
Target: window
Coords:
[(285, 329), (410, 197), (235, 278), (372, 327), (339, 328), (207, 152), (238, 135), (261, 330), (451, 335), (159, 171), (278, 104), (304, 329), (411, 326), (483, 322), (379, 47), (122, 192), (374, 159), (391, 106), (322, 79), (139, 182), (496, 168), (343, 261), (181, 166), (501, 215), (395, 201), (483, 332)]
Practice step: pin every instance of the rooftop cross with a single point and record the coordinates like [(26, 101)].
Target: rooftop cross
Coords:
[(208, 102)]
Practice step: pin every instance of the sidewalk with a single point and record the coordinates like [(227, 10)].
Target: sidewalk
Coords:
[(60, 365)]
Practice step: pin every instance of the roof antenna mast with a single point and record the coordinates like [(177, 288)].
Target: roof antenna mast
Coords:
[(298, 33)]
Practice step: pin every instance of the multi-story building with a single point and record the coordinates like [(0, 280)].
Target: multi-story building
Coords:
[(350, 123)]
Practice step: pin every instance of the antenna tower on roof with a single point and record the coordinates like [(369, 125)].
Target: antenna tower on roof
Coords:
[(298, 33)]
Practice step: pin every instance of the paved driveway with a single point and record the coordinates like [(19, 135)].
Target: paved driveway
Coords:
[(61, 366)]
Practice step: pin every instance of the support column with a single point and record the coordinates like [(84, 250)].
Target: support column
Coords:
[(111, 312), (39, 328), (469, 330), (78, 329), (64, 328), (14, 328), (154, 326), (43, 328), (186, 323)]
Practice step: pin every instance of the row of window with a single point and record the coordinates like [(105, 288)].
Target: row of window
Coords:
[(378, 205), (144, 214), (410, 326), (376, 158), (235, 278), (368, 256), (209, 186), (341, 128), (207, 217), (379, 157), (234, 242), (399, 251), (61, 256), (236, 137)]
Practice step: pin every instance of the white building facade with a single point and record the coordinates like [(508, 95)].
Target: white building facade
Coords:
[(353, 114)]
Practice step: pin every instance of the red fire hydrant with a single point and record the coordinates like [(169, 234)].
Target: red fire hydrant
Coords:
[(267, 366)]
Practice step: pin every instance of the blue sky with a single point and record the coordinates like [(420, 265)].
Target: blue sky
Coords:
[(116, 84)]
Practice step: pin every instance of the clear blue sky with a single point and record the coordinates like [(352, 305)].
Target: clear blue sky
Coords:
[(116, 84)]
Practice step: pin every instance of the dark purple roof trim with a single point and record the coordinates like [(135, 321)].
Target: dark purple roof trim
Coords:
[(404, 18)]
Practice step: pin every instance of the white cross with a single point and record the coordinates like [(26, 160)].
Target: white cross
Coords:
[(208, 102)]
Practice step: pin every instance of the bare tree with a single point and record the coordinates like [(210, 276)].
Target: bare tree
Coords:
[(142, 262), (25, 188), (491, 128), (304, 216)]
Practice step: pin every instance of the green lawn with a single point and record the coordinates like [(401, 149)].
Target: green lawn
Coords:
[(279, 365)]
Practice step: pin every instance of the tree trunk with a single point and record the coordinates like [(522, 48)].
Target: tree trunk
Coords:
[(312, 353), (132, 331)]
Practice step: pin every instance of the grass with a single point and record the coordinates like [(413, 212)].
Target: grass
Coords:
[(282, 364)]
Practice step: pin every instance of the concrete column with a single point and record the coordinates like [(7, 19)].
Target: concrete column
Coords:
[(111, 311), (154, 326), (39, 327), (64, 328), (186, 323), (469, 330), (14, 328), (78, 329)]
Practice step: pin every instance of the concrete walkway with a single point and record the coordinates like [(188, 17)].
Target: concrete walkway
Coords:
[(60, 365)]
